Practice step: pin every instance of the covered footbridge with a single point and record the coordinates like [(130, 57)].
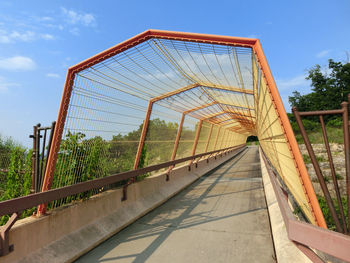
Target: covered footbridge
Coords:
[(170, 107)]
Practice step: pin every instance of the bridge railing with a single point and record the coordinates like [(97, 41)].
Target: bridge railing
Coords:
[(342, 224), (307, 236), (17, 205)]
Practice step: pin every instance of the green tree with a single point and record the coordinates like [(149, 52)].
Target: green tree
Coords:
[(19, 179), (329, 88), (81, 159)]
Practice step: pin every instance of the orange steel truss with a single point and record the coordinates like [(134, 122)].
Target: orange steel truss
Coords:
[(226, 113)]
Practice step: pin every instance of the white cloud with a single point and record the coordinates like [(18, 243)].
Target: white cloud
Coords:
[(27, 36), (17, 63), (75, 18), (31, 28), (75, 31), (292, 83), (323, 53), (45, 19), (47, 36), (53, 75), (5, 85)]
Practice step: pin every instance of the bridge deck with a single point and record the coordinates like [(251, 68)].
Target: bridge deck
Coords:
[(220, 218)]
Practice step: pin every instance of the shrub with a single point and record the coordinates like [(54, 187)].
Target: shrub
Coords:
[(337, 123), (19, 179)]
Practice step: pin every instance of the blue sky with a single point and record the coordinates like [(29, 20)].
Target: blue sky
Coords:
[(39, 40)]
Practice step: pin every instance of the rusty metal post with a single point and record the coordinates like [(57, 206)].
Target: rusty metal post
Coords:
[(37, 158), (53, 125), (143, 135), (334, 177), (317, 169), (5, 247), (344, 106), (176, 144), (196, 140), (140, 147), (34, 154)]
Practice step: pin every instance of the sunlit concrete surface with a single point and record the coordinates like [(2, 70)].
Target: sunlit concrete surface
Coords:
[(222, 217)]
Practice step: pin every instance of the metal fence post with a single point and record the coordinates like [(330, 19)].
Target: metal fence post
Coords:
[(196, 141), (334, 177), (176, 144), (33, 136), (140, 147), (344, 106), (143, 135), (209, 136), (317, 169)]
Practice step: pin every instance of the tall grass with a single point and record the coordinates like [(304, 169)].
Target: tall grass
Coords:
[(335, 135)]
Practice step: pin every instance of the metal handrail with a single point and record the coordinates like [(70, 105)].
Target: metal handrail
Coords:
[(341, 226), (306, 235), (29, 201)]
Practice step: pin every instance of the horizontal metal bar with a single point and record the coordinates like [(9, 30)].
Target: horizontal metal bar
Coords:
[(327, 241), (29, 201), (321, 112)]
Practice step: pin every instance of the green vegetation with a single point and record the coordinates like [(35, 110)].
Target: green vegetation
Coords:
[(339, 177), (81, 159), (329, 90), (8, 156), (326, 213), (18, 179), (334, 134), (306, 158)]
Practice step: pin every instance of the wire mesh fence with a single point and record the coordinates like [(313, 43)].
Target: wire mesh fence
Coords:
[(110, 99), (162, 98)]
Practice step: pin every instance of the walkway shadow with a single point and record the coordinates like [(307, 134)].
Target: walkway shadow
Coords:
[(161, 223)]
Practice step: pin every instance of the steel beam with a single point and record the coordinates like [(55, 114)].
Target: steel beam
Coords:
[(176, 144), (143, 135), (140, 147), (196, 140)]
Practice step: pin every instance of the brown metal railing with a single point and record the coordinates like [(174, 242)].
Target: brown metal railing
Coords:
[(16, 205), (41, 149), (341, 225), (305, 235)]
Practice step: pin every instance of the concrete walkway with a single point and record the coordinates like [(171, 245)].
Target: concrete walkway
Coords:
[(220, 218)]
